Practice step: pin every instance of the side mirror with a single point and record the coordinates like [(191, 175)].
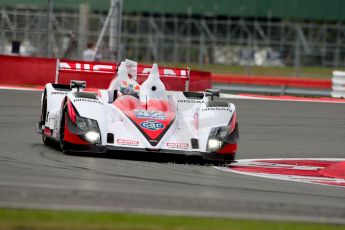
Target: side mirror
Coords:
[(212, 93), (78, 84)]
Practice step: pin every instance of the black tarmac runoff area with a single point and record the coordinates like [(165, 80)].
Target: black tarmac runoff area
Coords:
[(36, 176)]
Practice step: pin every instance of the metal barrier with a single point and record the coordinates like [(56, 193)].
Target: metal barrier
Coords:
[(338, 84)]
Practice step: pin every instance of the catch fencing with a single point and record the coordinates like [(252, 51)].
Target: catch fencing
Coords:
[(177, 38)]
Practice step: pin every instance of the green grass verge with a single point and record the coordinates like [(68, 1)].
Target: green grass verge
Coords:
[(307, 72), (15, 219)]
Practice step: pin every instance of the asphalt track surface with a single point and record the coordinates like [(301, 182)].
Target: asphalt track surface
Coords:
[(35, 176)]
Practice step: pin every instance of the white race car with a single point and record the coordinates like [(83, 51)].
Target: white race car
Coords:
[(179, 122)]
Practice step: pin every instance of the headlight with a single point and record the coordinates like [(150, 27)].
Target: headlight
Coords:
[(216, 137), (92, 134), (214, 144), (92, 137)]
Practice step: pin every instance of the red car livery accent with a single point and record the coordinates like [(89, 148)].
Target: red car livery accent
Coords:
[(228, 149), (71, 137), (152, 119)]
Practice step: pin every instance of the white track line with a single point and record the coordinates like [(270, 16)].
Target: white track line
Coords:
[(234, 96)]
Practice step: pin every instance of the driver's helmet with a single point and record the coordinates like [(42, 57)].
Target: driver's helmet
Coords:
[(129, 87)]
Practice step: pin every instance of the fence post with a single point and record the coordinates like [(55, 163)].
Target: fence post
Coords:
[(115, 30), (82, 28), (297, 57), (201, 50), (49, 27)]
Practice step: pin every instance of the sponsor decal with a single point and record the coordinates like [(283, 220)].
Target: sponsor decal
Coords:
[(152, 125), (216, 109), (72, 66), (127, 142), (192, 101), (144, 114), (59, 93), (315, 171), (176, 145), (86, 67), (87, 100)]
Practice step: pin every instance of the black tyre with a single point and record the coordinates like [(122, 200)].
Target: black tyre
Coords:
[(46, 140), (62, 130), (227, 158)]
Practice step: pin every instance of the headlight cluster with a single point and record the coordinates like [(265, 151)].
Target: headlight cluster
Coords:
[(216, 137), (218, 134), (91, 127)]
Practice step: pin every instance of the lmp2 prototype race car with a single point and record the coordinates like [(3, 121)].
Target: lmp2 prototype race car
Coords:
[(152, 120)]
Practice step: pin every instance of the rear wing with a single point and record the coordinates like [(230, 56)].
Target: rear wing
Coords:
[(103, 68), (68, 66)]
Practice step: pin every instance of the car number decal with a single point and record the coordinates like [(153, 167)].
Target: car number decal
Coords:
[(144, 114)]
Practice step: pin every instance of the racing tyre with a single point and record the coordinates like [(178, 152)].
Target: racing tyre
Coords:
[(62, 131), (46, 140)]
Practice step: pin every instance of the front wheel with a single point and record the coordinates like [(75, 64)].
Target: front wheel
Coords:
[(224, 158), (62, 131), (46, 140)]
